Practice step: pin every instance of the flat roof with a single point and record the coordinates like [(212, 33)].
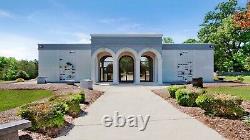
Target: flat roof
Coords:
[(127, 35), (64, 46), (188, 46)]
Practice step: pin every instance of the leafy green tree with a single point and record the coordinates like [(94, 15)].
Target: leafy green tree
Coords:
[(231, 41), (191, 40), (10, 66), (247, 63), (30, 67), (167, 40)]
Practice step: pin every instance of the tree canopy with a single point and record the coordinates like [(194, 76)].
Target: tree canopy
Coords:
[(167, 40), (232, 43), (10, 68), (191, 40)]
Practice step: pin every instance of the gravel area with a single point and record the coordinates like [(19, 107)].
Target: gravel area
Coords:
[(11, 115), (230, 129), (57, 88)]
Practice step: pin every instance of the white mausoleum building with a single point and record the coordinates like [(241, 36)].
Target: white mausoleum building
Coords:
[(121, 58)]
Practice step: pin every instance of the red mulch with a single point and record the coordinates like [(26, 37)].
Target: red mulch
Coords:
[(230, 129)]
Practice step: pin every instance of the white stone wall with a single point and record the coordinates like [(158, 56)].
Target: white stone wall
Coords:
[(49, 63), (202, 64)]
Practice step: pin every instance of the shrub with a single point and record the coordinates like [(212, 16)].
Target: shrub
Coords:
[(42, 116), (69, 103), (22, 74), (81, 97), (172, 90), (221, 105), (19, 80), (240, 78), (186, 97)]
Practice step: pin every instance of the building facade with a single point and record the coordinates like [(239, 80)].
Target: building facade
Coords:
[(119, 58)]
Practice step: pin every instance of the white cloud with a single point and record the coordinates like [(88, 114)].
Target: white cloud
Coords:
[(82, 38), (18, 46), (5, 14)]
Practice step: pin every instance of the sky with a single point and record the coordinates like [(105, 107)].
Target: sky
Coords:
[(25, 23)]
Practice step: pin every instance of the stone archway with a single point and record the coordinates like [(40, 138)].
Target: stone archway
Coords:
[(96, 56), (136, 66), (157, 63), (126, 69)]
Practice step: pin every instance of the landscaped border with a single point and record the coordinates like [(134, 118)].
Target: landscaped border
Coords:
[(58, 89), (231, 129)]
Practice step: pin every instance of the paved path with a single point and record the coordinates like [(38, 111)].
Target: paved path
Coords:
[(166, 122)]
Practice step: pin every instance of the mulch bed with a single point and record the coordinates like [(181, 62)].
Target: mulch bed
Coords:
[(230, 129), (11, 115)]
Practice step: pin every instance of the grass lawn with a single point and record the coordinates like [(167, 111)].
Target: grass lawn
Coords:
[(14, 98), (241, 91), (232, 78)]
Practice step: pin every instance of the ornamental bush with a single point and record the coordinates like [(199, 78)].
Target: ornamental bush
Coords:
[(42, 116), (240, 78), (186, 97), (22, 74), (222, 105), (70, 104), (172, 90)]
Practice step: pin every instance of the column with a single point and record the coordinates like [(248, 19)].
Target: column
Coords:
[(137, 69), (115, 71), (159, 71), (93, 69)]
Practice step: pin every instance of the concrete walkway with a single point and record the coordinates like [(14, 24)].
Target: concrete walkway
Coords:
[(165, 123)]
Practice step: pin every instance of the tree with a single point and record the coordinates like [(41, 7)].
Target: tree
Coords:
[(242, 18), (30, 67), (231, 41), (191, 40), (167, 40), (10, 66), (247, 63)]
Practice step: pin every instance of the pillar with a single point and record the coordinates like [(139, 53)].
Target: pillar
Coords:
[(137, 69), (115, 71), (159, 70)]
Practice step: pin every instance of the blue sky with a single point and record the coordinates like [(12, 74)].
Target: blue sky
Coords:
[(25, 23)]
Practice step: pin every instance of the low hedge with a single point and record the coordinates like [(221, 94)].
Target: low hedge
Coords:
[(172, 89), (187, 97), (43, 115), (70, 104), (222, 105)]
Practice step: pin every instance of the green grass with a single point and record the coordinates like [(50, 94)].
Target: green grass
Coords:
[(14, 98), (232, 78), (240, 91)]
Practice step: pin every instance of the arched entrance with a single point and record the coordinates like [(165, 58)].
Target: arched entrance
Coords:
[(106, 69), (150, 65), (103, 65), (146, 69), (126, 69)]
